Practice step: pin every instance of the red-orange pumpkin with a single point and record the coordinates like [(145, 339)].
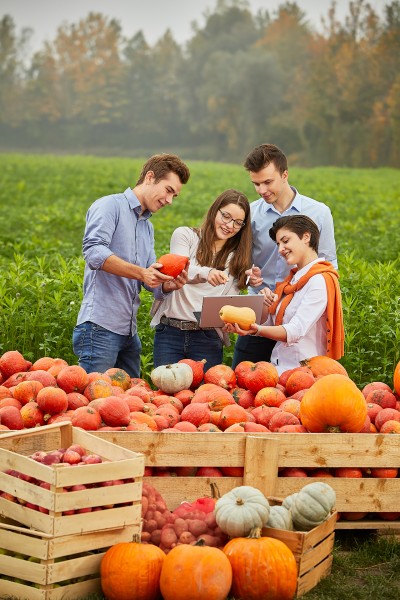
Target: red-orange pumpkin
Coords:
[(221, 375), (333, 404), (173, 264), (87, 418), (72, 379), (261, 374), (131, 570), (323, 365), (197, 367)]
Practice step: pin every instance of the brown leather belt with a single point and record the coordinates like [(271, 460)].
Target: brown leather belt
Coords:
[(183, 325)]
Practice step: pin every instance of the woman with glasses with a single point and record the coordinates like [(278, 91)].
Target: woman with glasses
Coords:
[(219, 253)]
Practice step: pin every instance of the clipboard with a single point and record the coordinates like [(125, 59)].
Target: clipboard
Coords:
[(209, 315)]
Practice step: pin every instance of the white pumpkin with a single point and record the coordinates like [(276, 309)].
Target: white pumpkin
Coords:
[(312, 505), (280, 518), (240, 510), (172, 378)]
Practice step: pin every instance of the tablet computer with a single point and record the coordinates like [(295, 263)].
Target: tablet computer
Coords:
[(209, 316)]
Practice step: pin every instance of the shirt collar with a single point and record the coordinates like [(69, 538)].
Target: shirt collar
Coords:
[(304, 270), (296, 203), (134, 203)]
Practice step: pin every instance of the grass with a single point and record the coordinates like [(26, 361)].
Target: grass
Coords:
[(43, 202)]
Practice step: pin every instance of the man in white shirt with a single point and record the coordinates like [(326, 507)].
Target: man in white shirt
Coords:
[(268, 170)]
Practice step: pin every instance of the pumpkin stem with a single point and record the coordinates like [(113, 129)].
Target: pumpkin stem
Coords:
[(333, 429), (239, 501), (200, 542), (255, 533)]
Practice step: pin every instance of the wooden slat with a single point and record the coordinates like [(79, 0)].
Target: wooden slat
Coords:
[(310, 580)]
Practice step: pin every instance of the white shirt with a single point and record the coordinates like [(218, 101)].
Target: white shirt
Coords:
[(305, 322), (181, 303), (265, 251)]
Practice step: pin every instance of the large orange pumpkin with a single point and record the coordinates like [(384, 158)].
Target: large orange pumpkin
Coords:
[(333, 404), (262, 568), (131, 570), (197, 572)]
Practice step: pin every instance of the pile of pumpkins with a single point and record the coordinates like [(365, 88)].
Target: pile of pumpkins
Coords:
[(249, 566)]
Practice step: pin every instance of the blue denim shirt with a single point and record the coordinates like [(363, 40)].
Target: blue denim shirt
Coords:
[(113, 226), (265, 251)]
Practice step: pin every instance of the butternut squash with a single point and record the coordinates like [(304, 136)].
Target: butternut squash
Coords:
[(244, 316)]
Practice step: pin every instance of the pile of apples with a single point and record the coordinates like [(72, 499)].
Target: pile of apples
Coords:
[(74, 455)]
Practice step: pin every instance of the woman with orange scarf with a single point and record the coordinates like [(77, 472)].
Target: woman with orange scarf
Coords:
[(306, 317)]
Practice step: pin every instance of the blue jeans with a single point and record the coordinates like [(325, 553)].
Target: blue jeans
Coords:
[(171, 345), (252, 348), (99, 349)]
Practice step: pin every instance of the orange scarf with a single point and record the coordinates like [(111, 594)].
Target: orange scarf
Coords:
[(334, 320)]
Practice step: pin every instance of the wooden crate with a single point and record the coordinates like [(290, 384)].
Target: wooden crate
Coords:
[(63, 567), (120, 504), (262, 455), (312, 550)]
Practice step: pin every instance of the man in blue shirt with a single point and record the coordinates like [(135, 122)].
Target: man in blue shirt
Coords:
[(118, 247), (268, 170)]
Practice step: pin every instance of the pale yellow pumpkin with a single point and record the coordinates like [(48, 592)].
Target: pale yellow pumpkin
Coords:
[(244, 316)]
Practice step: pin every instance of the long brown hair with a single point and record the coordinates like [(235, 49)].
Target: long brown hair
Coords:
[(239, 245)]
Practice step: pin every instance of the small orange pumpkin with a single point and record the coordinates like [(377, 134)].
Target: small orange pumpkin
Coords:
[(132, 570), (198, 571), (323, 365), (262, 567), (173, 264)]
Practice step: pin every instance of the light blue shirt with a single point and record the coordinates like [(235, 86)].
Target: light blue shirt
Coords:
[(114, 226), (265, 251)]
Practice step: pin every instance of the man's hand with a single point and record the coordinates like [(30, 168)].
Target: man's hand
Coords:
[(152, 277), (176, 284)]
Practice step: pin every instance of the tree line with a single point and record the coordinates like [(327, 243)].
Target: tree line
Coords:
[(327, 97)]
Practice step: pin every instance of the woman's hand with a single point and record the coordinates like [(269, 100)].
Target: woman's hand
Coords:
[(254, 275), (234, 328), (216, 277), (268, 296)]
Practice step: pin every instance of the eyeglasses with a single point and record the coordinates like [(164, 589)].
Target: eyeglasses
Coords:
[(226, 218)]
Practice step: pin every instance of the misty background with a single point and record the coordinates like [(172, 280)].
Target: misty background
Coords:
[(320, 79)]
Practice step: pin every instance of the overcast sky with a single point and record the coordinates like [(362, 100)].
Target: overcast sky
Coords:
[(153, 17)]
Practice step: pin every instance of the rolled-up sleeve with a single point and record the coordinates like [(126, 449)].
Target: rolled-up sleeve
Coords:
[(308, 312), (100, 226), (181, 243)]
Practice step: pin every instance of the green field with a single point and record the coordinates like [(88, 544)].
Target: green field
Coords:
[(43, 202)]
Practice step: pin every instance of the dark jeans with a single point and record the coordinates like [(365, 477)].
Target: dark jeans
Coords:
[(252, 348), (171, 345), (99, 349)]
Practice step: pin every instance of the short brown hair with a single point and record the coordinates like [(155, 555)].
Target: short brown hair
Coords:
[(162, 164), (298, 224), (262, 155)]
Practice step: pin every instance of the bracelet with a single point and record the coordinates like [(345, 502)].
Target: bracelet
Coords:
[(258, 332)]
